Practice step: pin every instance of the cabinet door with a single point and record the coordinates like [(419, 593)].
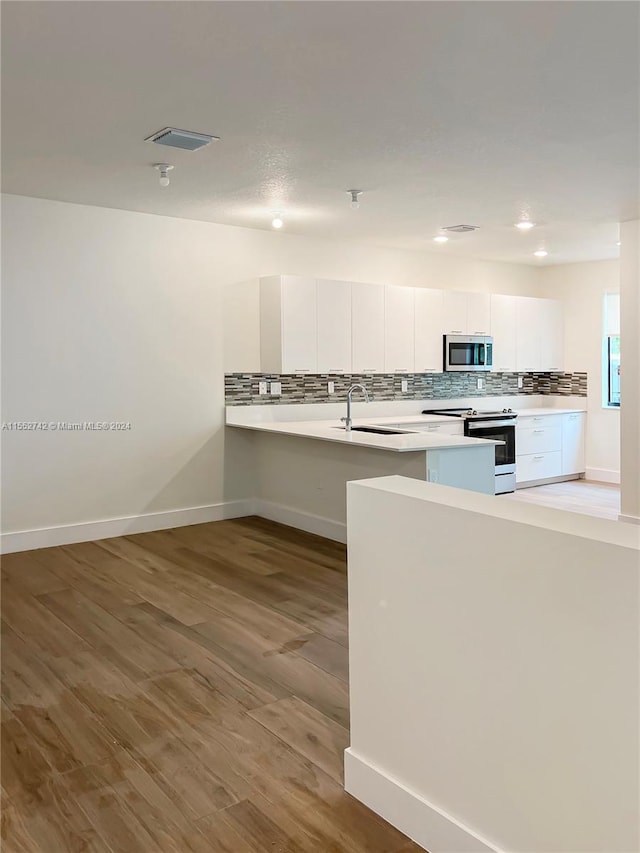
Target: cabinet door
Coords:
[(429, 325), (503, 330), (367, 328), (479, 314), (334, 326), (454, 312), (527, 334), (399, 318), (299, 325), (573, 443), (551, 318)]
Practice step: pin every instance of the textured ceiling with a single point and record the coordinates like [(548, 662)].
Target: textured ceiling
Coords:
[(441, 112)]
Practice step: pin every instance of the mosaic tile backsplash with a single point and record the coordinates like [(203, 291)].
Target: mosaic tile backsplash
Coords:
[(241, 389)]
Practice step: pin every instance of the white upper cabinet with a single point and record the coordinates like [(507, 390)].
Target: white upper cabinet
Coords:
[(288, 324), (551, 322), (367, 328), (539, 334), (399, 319), (310, 325), (466, 313), (429, 325), (334, 326), (503, 330), (479, 313), (454, 312), (527, 334)]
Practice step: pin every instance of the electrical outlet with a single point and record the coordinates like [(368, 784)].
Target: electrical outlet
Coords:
[(263, 388), (405, 386), (520, 382), (331, 387), (480, 383), (276, 389)]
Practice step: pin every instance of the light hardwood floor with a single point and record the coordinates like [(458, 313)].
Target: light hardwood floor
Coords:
[(584, 496), (180, 692)]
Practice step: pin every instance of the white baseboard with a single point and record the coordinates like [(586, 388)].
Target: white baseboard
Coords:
[(630, 519), (602, 475), (423, 822), (318, 524), (66, 534)]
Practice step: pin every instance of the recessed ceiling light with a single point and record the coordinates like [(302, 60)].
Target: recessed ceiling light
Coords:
[(619, 243), (277, 222), (541, 253), (441, 239), (525, 225)]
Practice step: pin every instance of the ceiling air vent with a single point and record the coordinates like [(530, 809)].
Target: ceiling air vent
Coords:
[(185, 139), (461, 229)]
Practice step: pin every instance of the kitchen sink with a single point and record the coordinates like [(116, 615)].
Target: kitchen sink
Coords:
[(378, 430)]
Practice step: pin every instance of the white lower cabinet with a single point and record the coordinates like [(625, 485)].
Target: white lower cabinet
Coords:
[(573, 443), (538, 466), (539, 439), (549, 446)]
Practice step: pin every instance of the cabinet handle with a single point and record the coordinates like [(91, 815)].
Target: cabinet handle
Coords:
[(538, 458), (455, 331), (336, 370), (538, 431), (481, 332), (301, 370), (537, 419)]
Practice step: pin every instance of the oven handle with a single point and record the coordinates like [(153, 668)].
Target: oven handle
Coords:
[(495, 423)]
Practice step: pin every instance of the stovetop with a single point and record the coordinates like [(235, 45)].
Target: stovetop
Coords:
[(472, 414)]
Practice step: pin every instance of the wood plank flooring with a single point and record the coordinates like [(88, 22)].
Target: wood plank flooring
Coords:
[(180, 691), (583, 496)]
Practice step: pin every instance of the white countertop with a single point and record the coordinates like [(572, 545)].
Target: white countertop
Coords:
[(332, 431), (532, 413)]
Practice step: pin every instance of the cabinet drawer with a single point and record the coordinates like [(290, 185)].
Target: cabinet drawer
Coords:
[(538, 466), (539, 440), (447, 428), (531, 421)]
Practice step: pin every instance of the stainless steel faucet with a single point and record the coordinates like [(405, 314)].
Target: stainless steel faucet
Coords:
[(357, 387)]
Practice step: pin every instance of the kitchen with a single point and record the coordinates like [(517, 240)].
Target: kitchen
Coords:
[(282, 254), (477, 365)]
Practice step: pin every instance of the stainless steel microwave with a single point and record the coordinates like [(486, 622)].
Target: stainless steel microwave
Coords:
[(465, 353)]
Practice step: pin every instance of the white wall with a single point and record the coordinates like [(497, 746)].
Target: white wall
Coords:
[(581, 287), (113, 315), (494, 668)]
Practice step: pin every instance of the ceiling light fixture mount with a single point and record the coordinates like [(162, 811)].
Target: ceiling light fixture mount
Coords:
[(541, 253), (355, 198), (525, 225), (164, 169), (441, 238)]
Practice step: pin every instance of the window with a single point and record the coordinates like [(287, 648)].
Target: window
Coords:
[(613, 370), (611, 351)]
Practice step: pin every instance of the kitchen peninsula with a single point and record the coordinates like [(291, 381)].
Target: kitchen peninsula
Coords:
[(302, 467)]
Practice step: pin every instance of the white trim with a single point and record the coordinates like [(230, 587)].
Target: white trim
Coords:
[(318, 524), (66, 534), (423, 822), (630, 519), (602, 475)]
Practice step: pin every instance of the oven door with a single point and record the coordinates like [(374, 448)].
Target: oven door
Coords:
[(498, 430)]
